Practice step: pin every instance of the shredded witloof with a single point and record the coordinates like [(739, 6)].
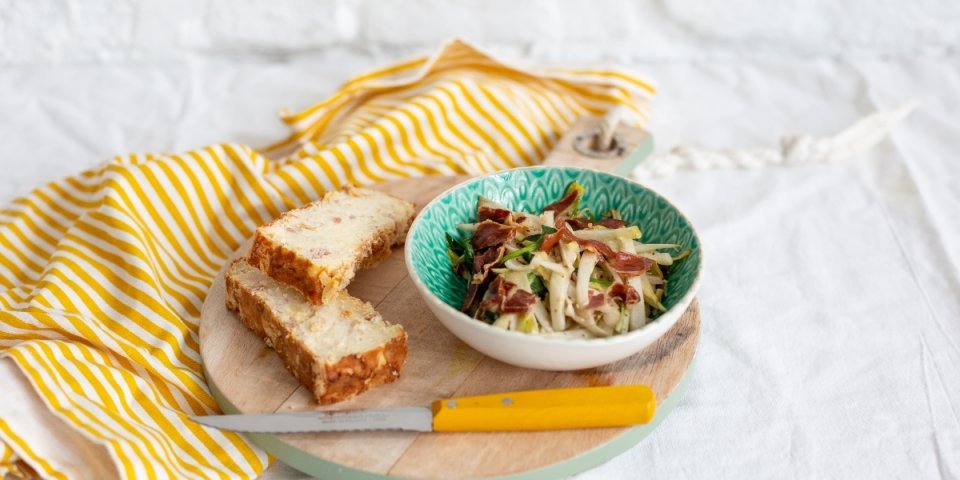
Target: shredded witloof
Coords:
[(562, 272)]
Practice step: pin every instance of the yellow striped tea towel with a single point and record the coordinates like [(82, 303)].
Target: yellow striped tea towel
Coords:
[(103, 274)]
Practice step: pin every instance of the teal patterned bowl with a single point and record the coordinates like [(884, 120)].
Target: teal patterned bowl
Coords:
[(530, 189)]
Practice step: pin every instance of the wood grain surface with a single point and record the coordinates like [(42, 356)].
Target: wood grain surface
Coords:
[(252, 378)]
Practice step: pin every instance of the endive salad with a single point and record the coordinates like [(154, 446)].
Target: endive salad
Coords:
[(563, 272)]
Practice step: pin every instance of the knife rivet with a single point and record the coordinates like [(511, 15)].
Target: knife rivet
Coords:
[(452, 404), (507, 401)]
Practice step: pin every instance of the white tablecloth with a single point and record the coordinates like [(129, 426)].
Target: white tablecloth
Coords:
[(831, 300)]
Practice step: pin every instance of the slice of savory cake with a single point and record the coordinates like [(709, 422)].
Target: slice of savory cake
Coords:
[(337, 350), (317, 248)]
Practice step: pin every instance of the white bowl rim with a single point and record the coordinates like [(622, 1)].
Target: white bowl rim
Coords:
[(683, 303)]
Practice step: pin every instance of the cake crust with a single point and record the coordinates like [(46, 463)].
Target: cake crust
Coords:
[(321, 271), (330, 381)]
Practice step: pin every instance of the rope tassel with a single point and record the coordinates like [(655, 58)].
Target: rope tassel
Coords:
[(793, 150)]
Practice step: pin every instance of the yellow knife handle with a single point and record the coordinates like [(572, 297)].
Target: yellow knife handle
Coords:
[(616, 406)]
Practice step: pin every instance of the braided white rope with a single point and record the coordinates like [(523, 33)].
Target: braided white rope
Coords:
[(793, 150)]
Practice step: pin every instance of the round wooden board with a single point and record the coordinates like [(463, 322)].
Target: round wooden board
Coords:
[(246, 376)]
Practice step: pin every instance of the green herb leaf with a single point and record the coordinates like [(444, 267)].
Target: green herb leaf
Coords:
[(468, 254), (600, 282), (531, 239), (623, 323), (454, 245), (460, 248), (531, 247), (536, 284), (454, 258), (575, 187)]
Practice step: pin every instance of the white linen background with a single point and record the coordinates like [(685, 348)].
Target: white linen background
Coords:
[(831, 299)]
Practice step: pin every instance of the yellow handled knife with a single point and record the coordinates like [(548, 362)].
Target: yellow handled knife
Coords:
[(557, 409)]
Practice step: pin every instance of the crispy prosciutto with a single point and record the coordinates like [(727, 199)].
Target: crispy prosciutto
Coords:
[(474, 291), (582, 223), (506, 297), (623, 262), (520, 301), (491, 234), (497, 215), (483, 262), (596, 299), (629, 263), (564, 203), (625, 293)]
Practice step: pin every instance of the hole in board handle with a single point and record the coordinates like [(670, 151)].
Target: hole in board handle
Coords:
[(586, 144)]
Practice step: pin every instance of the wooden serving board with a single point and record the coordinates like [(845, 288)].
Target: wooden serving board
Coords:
[(247, 377)]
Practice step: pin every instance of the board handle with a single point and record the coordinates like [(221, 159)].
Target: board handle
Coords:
[(556, 409), (602, 143)]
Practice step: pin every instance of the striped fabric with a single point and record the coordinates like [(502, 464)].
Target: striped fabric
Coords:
[(103, 274), (7, 459)]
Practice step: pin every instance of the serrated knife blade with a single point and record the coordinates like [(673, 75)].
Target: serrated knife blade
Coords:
[(419, 419), (587, 407)]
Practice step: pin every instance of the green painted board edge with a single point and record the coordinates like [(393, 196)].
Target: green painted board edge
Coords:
[(635, 157), (327, 470)]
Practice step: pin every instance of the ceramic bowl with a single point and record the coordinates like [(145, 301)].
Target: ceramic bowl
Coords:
[(531, 189)]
